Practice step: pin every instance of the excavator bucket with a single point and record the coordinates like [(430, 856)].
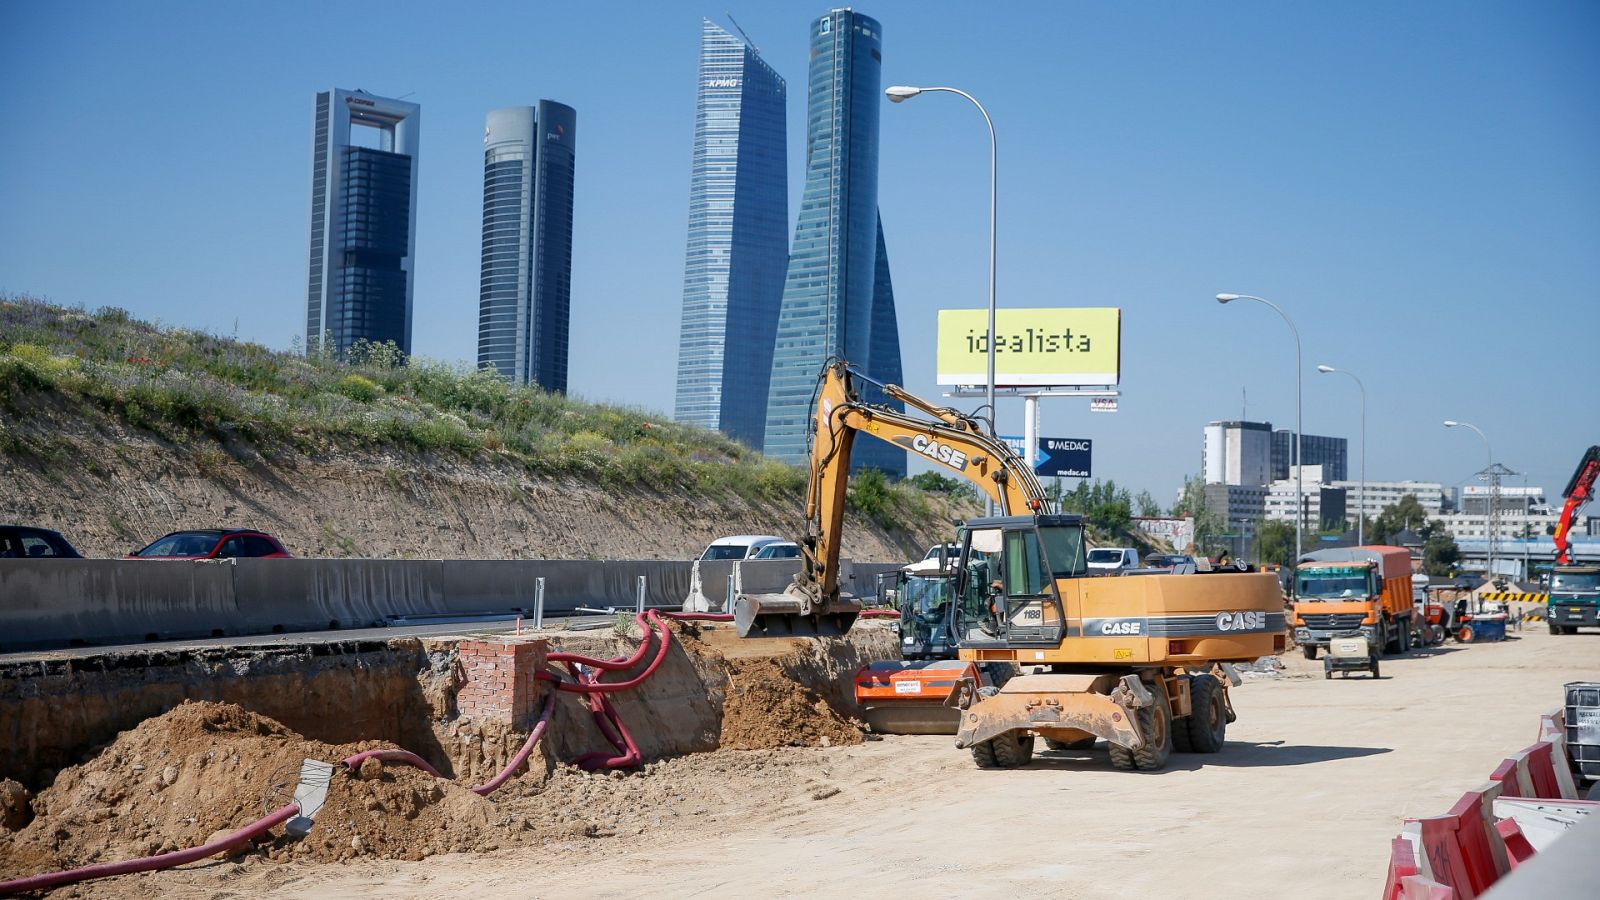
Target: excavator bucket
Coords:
[(911, 697), (786, 615)]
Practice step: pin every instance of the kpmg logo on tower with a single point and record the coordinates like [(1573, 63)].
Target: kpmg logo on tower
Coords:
[(722, 82)]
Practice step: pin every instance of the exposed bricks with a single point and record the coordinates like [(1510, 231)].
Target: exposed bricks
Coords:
[(500, 683)]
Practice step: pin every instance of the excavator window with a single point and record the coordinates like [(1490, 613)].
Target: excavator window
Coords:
[(1025, 571)]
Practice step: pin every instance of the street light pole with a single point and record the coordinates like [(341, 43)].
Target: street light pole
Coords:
[(1493, 523), (902, 93), (1300, 460), (1361, 504)]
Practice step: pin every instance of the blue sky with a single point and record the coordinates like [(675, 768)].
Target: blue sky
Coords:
[(1417, 183)]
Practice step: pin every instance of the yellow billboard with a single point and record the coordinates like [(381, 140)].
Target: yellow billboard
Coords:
[(1033, 347)]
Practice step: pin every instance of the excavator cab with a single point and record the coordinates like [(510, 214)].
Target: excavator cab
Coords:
[(1015, 590)]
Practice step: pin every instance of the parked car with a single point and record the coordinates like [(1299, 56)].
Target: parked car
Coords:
[(782, 550), (1113, 558), (27, 542), (220, 543), (740, 546), (951, 550), (1168, 560)]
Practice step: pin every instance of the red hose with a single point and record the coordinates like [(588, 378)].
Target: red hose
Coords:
[(879, 614), (401, 756), (148, 863), (493, 784)]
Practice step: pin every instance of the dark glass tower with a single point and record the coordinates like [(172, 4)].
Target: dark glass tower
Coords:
[(837, 296), (738, 240), (363, 220), (525, 285)]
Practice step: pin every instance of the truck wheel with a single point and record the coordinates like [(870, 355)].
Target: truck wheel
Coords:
[(1310, 650), (1155, 721), (1327, 674), (1206, 729), (1013, 750), (1405, 637), (1374, 667), (983, 754)]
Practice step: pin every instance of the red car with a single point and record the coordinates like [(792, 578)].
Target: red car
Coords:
[(221, 543)]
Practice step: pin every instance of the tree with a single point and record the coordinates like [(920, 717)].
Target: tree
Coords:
[(934, 483), (1192, 502), (1146, 505), (1397, 517), (1106, 505), (1439, 551), (1275, 542)]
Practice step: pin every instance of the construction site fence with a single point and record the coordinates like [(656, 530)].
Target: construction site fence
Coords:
[(54, 603)]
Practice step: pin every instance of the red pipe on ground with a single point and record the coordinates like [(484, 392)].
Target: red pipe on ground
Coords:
[(147, 863)]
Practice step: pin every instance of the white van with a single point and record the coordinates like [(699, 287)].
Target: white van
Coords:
[(740, 546), (1113, 558)]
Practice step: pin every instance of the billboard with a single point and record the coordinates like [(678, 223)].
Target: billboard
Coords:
[(1061, 457), (1033, 347)]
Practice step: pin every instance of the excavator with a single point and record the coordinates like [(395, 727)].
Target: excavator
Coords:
[(1141, 662)]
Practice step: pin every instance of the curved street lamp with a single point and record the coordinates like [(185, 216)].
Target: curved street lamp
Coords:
[(1493, 525), (1299, 469)]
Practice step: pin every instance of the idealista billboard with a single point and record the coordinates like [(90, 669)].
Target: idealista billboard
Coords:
[(1033, 347)]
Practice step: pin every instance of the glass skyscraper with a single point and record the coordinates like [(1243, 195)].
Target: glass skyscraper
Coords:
[(363, 219), (525, 285), (837, 296), (738, 240)]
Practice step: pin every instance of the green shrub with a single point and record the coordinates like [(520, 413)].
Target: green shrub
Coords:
[(359, 388)]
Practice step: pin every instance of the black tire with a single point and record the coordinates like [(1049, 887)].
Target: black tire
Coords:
[(1405, 637), (983, 754), (1554, 628), (1079, 744), (1328, 674), (1388, 641), (1121, 758), (1180, 736), (1374, 667), (1207, 728), (1013, 750), (1155, 721), (1310, 651)]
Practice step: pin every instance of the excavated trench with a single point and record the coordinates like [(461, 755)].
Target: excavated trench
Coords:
[(132, 754)]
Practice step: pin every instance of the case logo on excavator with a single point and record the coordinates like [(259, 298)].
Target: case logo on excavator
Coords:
[(1251, 620), (932, 449), (1121, 626)]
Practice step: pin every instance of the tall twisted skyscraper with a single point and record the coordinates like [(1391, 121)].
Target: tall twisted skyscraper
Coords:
[(738, 240), (837, 297), (363, 220), (525, 285)]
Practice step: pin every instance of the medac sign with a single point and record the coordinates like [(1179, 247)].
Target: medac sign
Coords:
[(1063, 457)]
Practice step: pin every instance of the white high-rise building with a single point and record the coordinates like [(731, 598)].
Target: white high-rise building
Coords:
[(1237, 453)]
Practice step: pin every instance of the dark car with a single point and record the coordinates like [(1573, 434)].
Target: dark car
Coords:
[(1168, 560), (26, 542), (221, 543)]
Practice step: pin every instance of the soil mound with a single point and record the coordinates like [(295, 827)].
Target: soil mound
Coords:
[(204, 769), (767, 708)]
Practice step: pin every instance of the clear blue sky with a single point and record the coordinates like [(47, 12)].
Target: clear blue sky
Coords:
[(1417, 183)]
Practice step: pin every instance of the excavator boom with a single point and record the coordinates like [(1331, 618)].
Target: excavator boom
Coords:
[(814, 604)]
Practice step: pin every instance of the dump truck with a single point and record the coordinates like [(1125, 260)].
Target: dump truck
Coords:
[(1574, 600), (1140, 661), (1365, 589)]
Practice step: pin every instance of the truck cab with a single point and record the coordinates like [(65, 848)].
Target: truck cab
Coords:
[(1574, 598)]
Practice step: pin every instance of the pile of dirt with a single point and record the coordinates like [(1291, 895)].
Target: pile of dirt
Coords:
[(205, 769), (765, 707)]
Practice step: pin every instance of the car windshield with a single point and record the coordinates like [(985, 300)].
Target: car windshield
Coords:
[(778, 551), (725, 551), (1333, 584), (184, 543), (1105, 556), (1575, 581), (926, 597)]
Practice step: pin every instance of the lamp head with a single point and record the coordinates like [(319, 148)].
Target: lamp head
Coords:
[(900, 93), (1326, 369), (1450, 423), (1225, 298)]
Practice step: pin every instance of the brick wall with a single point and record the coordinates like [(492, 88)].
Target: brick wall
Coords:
[(499, 680)]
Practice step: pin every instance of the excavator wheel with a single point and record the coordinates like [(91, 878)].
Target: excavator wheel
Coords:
[(1205, 730), (1011, 750), (1180, 734), (983, 754), (1121, 758), (1155, 721)]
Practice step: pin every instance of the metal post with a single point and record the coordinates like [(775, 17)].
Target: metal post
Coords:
[(538, 603), (733, 588), (1030, 430), (638, 607), (1299, 429)]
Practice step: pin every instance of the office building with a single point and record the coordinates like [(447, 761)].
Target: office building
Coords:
[(1331, 453), (1237, 453), (738, 240), (1324, 505), (363, 220), (1382, 494), (525, 283), (837, 295)]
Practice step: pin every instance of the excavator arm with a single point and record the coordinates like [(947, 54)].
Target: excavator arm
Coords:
[(1579, 491), (814, 604)]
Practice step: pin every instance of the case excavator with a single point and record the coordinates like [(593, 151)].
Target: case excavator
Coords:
[(1140, 661)]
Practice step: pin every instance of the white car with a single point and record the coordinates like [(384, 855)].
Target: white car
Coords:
[(741, 546), (1113, 558), (780, 550)]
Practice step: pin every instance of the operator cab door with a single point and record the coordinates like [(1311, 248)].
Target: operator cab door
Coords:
[(1019, 604)]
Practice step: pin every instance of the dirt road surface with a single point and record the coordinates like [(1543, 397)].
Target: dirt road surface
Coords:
[(1314, 781)]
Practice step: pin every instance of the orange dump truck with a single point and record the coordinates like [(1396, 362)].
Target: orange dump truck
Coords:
[(1365, 589)]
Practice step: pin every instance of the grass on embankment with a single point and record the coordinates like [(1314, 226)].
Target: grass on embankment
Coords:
[(193, 388)]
